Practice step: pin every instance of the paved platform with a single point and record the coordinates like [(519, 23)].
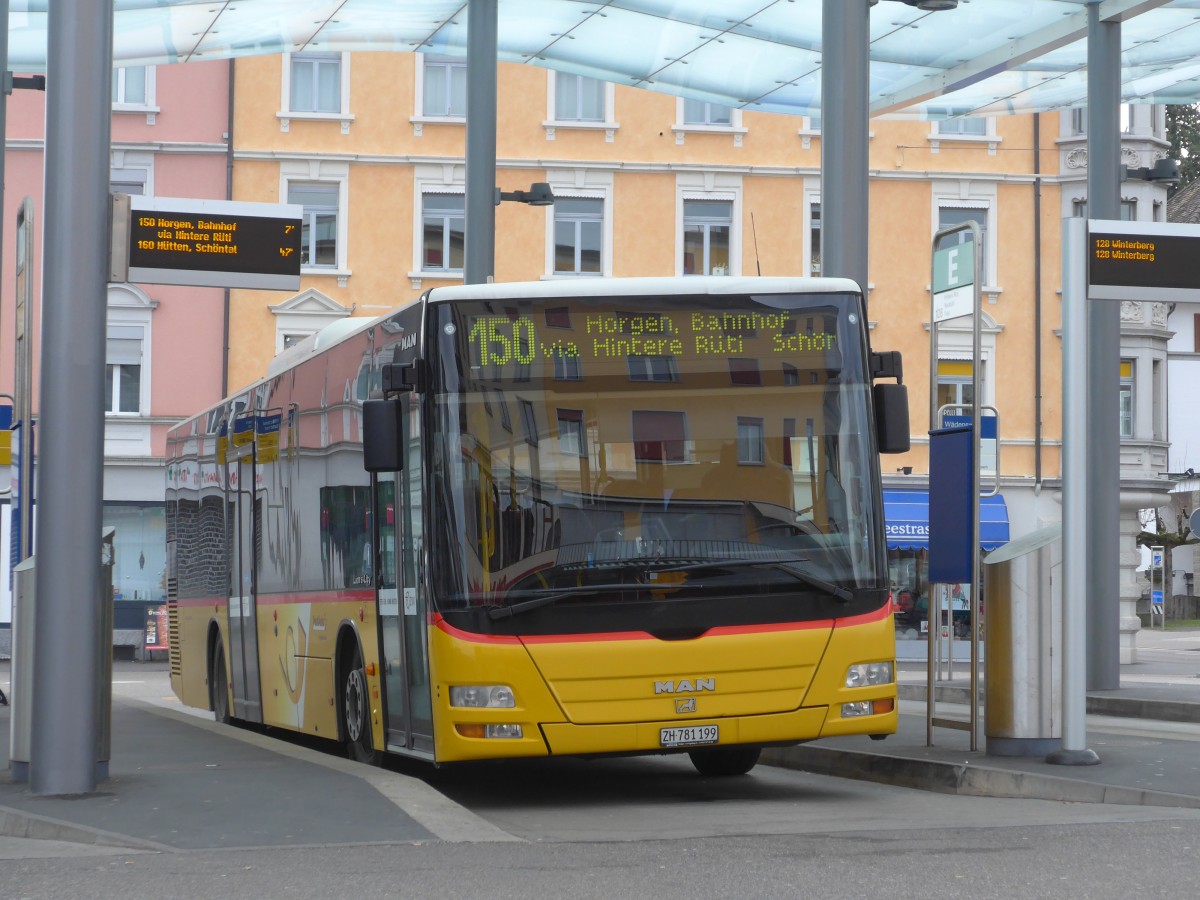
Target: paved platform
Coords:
[(180, 781)]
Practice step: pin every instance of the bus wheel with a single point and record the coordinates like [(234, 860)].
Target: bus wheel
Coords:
[(356, 708), (220, 687), (721, 762)]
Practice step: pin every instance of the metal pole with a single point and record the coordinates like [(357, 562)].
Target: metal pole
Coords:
[(845, 69), (70, 474), (1075, 501), (4, 90), (480, 225), (1103, 612)]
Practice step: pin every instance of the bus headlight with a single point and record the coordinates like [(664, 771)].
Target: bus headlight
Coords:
[(867, 674), (495, 696)]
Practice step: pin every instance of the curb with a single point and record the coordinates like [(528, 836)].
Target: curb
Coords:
[(964, 778), (1097, 704), (14, 823)]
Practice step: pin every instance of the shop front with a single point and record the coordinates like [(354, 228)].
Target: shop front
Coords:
[(906, 518)]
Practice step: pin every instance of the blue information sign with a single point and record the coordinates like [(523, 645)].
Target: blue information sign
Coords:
[(951, 489)]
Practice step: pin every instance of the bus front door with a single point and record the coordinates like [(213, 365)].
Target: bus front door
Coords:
[(402, 603), (243, 622)]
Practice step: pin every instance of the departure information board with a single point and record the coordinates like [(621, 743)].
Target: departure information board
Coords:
[(214, 243), (1153, 261)]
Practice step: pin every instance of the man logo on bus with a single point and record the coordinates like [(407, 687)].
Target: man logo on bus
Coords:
[(685, 705), (685, 686)]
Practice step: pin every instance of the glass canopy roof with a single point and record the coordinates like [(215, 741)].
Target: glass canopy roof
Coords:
[(987, 57)]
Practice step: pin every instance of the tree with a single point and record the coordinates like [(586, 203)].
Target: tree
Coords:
[(1183, 131)]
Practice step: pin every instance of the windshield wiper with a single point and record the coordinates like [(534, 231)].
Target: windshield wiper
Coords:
[(505, 612), (787, 565)]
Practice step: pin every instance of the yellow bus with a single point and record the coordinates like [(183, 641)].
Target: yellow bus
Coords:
[(602, 516)]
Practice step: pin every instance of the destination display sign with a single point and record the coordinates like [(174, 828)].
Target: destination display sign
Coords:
[(1153, 261), (499, 340), (213, 243)]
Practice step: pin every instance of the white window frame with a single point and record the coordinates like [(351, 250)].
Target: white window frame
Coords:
[(129, 307), (150, 107), (305, 314), (445, 271), (755, 442), (287, 115), (812, 197), (968, 194), (552, 271), (937, 137), (582, 184), (710, 186), (1128, 388), (324, 171), (432, 178), (809, 129), (552, 123), (735, 128), (422, 116)]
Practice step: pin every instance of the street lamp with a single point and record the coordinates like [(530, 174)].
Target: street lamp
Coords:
[(1163, 170), (539, 194)]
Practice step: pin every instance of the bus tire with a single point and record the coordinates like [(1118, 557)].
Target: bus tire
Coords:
[(356, 712), (723, 762), (220, 686)]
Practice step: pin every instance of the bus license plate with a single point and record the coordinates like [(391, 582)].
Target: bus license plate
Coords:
[(689, 736)]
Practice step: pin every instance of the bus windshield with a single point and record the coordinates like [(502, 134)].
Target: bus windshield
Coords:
[(609, 451)]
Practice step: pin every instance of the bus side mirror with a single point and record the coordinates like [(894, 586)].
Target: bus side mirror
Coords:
[(383, 435), (891, 417)]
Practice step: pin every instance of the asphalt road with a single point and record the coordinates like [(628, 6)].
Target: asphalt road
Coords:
[(650, 827)]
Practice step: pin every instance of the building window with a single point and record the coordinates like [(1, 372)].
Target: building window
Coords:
[(128, 181), (291, 339), (1157, 416), (123, 370), (706, 229), (319, 222), (659, 436), (529, 422), (1126, 396), (316, 83), (578, 98), (964, 125), (814, 233), (1079, 120), (444, 88), (744, 372), (567, 366), (750, 441), (570, 433), (789, 433), (653, 368), (954, 384), (131, 86), (444, 228), (700, 112), (949, 216), (578, 235), (1128, 210)]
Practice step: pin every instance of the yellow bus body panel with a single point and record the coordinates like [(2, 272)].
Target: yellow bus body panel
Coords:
[(860, 642), (189, 665), (614, 693)]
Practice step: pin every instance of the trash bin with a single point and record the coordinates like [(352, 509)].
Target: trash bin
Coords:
[(1022, 641)]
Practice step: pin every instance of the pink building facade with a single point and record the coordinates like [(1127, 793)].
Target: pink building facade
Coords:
[(165, 344)]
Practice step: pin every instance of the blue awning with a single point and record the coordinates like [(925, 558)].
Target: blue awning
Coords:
[(906, 517)]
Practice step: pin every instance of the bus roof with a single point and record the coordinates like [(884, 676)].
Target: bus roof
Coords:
[(638, 287)]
